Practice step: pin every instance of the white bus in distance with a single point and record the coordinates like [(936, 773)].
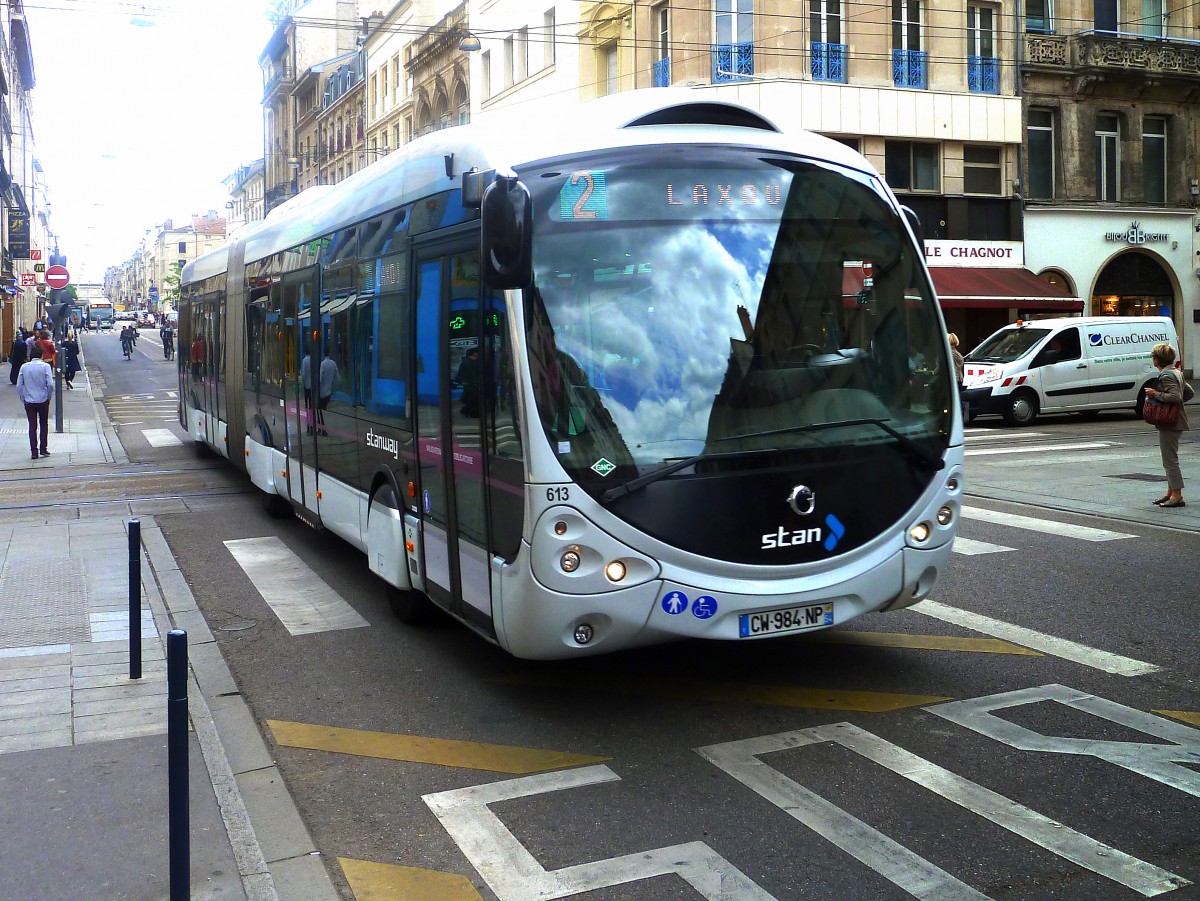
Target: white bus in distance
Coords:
[(595, 384)]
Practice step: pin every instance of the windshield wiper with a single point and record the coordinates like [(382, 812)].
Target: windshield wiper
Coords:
[(935, 463), (649, 478)]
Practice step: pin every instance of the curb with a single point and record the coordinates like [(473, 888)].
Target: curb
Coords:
[(254, 801)]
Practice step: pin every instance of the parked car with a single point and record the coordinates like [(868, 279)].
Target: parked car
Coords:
[(145, 320)]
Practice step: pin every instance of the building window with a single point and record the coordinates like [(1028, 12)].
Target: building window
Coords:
[(1039, 16), (396, 77), (1154, 158), (1041, 155), (610, 79), (1154, 18), (1108, 157), (827, 52), (733, 53), (981, 169), (909, 61), (548, 37), (183, 246), (662, 45), (522, 54), (384, 81), (1105, 16), (910, 166), (510, 62), (485, 71), (983, 66)]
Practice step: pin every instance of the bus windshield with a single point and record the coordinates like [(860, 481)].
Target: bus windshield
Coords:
[(1007, 345), (714, 303)]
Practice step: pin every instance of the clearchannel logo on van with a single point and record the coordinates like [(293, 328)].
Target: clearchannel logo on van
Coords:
[(1097, 339)]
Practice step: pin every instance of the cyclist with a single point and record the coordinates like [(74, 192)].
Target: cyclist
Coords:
[(127, 342), (168, 339)]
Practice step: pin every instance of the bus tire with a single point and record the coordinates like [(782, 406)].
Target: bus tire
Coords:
[(276, 507), (410, 607), (203, 451), (1020, 408)]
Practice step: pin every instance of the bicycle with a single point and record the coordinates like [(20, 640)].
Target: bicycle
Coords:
[(168, 351), (127, 348)]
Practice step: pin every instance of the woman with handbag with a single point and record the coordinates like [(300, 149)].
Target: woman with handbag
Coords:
[(1164, 407)]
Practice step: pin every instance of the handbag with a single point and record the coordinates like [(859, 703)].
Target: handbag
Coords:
[(1157, 413)]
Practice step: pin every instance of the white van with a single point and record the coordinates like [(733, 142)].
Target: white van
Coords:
[(1064, 365)]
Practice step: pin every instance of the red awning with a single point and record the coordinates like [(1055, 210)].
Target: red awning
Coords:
[(968, 288)]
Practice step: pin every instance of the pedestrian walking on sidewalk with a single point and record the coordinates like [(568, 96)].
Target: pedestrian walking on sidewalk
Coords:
[(17, 355), (49, 351), (34, 383), (70, 358), (1171, 389)]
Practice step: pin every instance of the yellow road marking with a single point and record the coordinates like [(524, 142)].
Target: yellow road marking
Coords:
[(925, 642), (388, 882), (736, 693), (417, 749), (1186, 716)]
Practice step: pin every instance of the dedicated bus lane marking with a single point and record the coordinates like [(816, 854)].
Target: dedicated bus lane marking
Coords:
[(925, 642), (419, 749), (1048, 644), (733, 692), (392, 882)]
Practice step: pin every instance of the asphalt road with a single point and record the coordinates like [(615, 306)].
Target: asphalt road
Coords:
[(1032, 735)]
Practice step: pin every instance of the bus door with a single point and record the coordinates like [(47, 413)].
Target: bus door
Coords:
[(301, 363), (211, 324), (453, 501)]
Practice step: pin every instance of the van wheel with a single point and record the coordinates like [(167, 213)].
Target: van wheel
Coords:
[(1021, 408), (410, 607)]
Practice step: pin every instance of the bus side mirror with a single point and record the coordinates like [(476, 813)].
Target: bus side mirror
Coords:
[(914, 222), (507, 221)]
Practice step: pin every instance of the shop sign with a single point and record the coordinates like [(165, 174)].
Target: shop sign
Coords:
[(1135, 235), (18, 235), (993, 254)]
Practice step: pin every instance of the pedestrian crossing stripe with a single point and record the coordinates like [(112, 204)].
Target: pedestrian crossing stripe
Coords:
[(1047, 526), (161, 437), (472, 755)]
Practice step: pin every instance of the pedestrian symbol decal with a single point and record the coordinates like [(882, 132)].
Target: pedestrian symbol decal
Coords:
[(675, 602), (704, 607)]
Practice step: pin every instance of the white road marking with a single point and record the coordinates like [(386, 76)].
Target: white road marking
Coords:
[(972, 548), (514, 874), (161, 437), (1038, 448), (1039, 641), (1165, 763), (1048, 526), (913, 874), (1001, 434), (172, 394), (302, 600)]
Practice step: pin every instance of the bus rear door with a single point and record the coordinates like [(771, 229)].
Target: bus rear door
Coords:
[(453, 499)]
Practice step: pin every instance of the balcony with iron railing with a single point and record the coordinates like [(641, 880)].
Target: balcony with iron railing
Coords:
[(910, 69), (661, 73), (1115, 53), (280, 82), (732, 62), (983, 74), (828, 61)]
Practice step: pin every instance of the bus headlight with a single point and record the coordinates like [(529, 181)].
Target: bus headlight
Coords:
[(570, 559), (945, 516), (615, 571), (919, 533)]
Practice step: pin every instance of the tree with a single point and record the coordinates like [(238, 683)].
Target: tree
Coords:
[(170, 288)]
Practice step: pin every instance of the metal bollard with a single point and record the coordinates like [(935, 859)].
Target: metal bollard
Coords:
[(179, 840), (135, 599)]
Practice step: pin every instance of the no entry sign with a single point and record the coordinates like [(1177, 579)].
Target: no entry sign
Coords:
[(58, 277)]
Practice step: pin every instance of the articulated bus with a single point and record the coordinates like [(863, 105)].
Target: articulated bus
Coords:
[(665, 370)]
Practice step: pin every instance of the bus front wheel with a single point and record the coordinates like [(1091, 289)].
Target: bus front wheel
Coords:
[(411, 607)]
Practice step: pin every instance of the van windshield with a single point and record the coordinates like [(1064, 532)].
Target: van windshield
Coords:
[(1006, 345)]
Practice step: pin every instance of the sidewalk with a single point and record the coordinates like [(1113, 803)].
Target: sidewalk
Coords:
[(83, 751)]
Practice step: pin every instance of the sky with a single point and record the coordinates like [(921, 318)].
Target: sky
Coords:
[(139, 112)]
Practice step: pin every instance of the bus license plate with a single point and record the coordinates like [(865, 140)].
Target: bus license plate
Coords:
[(789, 619)]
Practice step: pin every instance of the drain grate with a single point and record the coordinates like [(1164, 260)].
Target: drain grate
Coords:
[(1139, 476)]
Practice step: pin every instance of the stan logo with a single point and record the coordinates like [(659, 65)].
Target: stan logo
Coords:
[(781, 537)]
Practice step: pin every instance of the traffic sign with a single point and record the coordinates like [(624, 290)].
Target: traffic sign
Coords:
[(58, 277)]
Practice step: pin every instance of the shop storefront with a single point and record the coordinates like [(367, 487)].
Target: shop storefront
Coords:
[(984, 285), (1122, 263)]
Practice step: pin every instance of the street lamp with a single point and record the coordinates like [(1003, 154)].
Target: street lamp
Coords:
[(469, 43)]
